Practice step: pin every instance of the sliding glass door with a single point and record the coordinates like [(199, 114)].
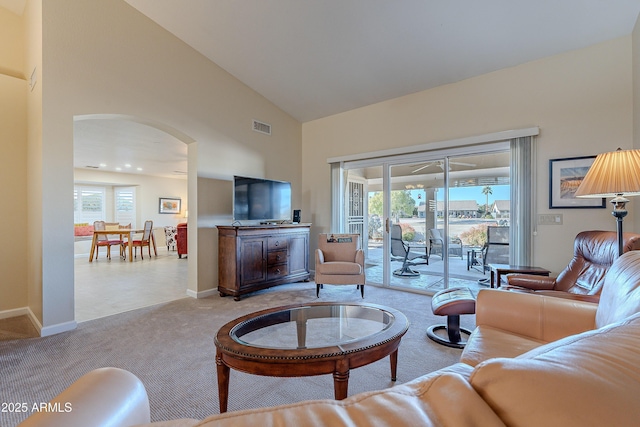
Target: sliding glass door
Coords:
[(424, 218)]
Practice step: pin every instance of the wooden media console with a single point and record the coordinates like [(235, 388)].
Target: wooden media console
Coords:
[(257, 257)]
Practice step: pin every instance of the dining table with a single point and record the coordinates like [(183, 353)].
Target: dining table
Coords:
[(128, 232)]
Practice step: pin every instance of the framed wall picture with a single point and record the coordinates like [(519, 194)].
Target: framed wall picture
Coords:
[(169, 205), (565, 176)]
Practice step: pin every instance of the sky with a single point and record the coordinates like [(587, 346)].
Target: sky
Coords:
[(500, 192)]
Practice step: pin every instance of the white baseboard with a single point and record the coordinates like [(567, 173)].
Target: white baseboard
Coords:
[(56, 329), (44, 331), (15, 312), (202, 294)]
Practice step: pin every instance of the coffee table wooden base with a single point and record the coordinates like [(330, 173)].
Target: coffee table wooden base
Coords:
[(302, 340), (339, 367)]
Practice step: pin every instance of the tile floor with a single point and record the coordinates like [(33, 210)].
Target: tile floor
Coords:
[(105, 287)]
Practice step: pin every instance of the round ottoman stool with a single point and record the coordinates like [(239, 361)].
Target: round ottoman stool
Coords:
[(452, 303)]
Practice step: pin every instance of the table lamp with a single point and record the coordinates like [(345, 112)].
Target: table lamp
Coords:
[(615, 174)]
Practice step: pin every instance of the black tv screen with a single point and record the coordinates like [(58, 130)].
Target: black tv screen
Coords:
[(256, 199)]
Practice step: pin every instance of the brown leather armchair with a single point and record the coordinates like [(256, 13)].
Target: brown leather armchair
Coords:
[(593, 253)]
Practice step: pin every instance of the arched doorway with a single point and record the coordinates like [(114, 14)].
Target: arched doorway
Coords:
[(123, 166)]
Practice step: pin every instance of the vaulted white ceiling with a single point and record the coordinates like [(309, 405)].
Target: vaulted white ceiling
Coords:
[(315, 58)]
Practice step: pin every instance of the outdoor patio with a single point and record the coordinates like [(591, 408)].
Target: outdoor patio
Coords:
[(431, 278)]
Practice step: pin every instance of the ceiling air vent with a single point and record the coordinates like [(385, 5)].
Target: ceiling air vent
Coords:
[(261, 127)]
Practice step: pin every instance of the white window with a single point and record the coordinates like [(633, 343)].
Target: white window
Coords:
[(88, 204), (125, 205)]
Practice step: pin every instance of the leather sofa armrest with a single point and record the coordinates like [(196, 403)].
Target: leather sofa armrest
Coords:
[(360, 257), (103, 397), (531, 281), (319, 256), (540, 317), (424, 401)]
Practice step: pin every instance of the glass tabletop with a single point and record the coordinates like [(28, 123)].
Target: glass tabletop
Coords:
[(312, 326)]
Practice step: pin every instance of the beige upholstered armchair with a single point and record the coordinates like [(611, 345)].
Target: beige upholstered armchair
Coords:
[(339, 261)]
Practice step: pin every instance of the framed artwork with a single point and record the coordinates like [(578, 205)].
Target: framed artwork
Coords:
[(169, 205), (565, 176)]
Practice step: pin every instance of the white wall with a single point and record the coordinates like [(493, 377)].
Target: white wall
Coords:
[(581, 100), (11, 44), (148, 191), (106, 58), (13, 164)]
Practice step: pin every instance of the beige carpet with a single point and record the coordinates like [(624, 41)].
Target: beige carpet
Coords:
[(18, 327), (170, 348)]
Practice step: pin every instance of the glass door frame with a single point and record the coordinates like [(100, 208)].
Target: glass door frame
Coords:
[(386, 190), (483, 144), (339, 172)]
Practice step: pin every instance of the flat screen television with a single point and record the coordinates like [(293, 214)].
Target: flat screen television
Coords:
[(256, 199)]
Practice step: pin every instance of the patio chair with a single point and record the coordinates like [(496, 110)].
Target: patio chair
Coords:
[(496, 250), (401, 251), (436, 244)]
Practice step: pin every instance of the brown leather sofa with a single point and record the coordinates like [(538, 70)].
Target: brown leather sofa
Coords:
[(533, 360), (593, 254)]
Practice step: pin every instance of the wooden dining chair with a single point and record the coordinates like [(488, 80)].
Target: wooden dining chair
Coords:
[(105, 240), (144, 241)]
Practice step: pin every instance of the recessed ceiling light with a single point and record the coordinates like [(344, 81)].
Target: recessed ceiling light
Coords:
[(127, 165), (139, 169), (118, 168), (103, 165)]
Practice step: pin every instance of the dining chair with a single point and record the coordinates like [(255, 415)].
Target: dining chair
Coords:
[(144, 241), (104, 240)]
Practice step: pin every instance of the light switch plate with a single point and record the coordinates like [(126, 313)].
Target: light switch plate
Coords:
[(549, 219)]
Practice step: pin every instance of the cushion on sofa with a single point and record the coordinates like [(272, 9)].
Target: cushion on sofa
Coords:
[(83, 230), (512, 323), (489, 342), (589, 379), (620, 296)]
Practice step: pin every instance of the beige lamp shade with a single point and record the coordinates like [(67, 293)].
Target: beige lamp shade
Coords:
[(611, 174)]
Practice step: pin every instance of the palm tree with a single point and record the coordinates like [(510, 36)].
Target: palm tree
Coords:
[(486, 191)]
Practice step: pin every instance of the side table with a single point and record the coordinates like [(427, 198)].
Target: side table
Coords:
[(497, 270), (474, 258)]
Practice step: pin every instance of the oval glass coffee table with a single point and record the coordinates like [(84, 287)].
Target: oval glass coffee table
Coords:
[(309, 339)]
